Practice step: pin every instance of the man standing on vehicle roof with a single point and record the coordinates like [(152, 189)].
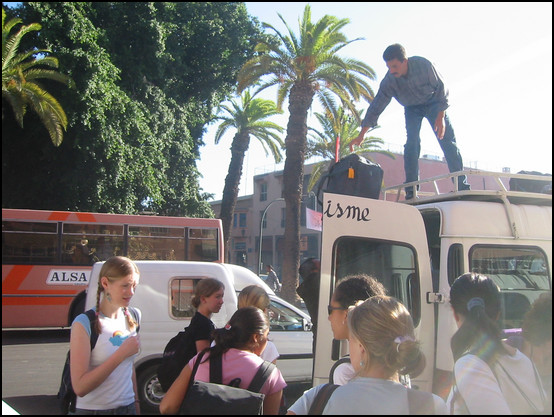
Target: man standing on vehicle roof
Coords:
[(415, 84)]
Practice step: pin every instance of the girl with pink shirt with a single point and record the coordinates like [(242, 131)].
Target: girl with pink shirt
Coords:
[(240, 344)]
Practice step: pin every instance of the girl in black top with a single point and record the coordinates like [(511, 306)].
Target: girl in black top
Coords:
[(207, 299)]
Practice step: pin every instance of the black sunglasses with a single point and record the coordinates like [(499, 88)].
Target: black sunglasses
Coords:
[(331, 308)]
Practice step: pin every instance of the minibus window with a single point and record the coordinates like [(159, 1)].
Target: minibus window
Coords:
[(182, 290), (455, 262), (390, 262)]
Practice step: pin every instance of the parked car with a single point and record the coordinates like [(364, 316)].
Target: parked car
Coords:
[(164, 294)]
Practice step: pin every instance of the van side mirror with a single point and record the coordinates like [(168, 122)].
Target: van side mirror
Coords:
[(306, 325)]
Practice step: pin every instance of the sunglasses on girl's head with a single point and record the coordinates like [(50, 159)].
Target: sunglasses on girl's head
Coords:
[(331, 308)]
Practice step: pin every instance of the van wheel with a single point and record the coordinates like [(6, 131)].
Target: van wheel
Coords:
[(149, 389)]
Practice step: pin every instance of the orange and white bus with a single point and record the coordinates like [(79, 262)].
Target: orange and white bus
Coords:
[(47, 256)]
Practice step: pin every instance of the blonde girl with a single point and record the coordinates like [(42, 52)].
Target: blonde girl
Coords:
[(350, 290), (104, 379), (255, 296), (382, 344)]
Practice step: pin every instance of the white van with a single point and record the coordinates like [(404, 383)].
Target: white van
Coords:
[(164, 297), (417, 249)]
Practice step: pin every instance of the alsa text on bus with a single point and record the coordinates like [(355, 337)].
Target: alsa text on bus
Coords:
[(64, 277)]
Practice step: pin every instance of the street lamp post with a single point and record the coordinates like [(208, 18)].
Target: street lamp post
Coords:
[(261, 231)]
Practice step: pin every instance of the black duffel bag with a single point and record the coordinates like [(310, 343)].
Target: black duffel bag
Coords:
[(353, 175)]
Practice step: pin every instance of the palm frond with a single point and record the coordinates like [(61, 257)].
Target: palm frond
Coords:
[(20, 73)]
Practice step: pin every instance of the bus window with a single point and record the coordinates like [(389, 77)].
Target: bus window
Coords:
[(157, 243), (29, 242), (202, 244), (392, 264), (86, 243)]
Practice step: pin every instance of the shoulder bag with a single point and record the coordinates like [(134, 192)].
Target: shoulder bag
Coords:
[(214, 398)]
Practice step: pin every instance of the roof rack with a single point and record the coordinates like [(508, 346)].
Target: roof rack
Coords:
[(496, 186)]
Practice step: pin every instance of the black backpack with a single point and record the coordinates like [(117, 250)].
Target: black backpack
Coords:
[(178, 351), (66, 395)]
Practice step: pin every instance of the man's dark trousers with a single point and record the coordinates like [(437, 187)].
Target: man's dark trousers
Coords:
[(414, 116)]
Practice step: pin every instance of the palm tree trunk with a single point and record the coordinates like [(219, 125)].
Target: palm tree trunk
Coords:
[(300, 100), (231, 188)]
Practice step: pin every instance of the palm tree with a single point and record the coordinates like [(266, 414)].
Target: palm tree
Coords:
[(248, 118), (337, 124), (302, 67), (20, 72)]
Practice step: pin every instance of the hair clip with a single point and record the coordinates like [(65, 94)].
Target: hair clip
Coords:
[(401, 339), (475, 302)]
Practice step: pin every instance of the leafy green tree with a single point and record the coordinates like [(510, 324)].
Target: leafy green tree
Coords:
[(303, 66), (322, 143), (21, 73), (148, 76), (248, 118)]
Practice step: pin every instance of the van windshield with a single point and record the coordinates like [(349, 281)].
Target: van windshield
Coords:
[(512, 268), (521, 273)]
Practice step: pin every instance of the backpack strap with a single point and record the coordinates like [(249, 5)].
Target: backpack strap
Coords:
[(91, 314), (195, 368), (264, 371), (420, 402), (320, 400), (216, 372), (537, 380)]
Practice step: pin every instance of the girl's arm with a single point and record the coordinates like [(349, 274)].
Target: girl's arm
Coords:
[(201, 345), (272, 402)]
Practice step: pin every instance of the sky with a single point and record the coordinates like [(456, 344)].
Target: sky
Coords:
[(495, 58)]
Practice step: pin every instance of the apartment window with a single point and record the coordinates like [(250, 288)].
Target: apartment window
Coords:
[(241, 218), (263, 192)]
